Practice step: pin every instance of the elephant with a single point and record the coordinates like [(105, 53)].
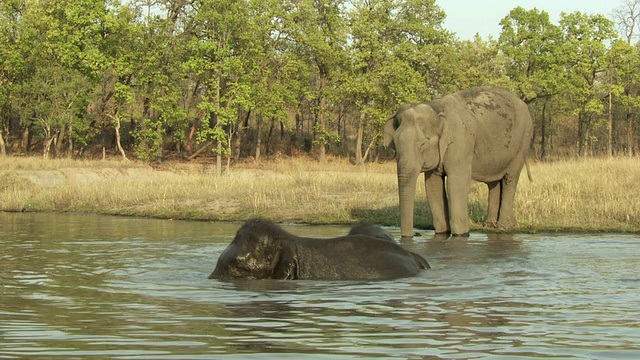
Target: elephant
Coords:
[(482, 134), (370, 230), (263, 250)]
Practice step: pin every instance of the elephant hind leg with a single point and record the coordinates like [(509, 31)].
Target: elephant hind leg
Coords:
[(506, 214), (493, 210)]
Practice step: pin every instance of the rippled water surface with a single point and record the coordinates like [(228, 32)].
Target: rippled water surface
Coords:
[(78, 286)]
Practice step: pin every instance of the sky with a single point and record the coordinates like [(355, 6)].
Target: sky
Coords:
[(468, 17)]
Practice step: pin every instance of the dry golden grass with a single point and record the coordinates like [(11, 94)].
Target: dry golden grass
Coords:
[(575, 195), (587, 194)]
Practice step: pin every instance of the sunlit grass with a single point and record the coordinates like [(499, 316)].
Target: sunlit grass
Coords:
[(573, 195), (589, 194)]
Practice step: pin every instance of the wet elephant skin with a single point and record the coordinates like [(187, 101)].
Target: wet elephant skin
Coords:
[(263, 250)]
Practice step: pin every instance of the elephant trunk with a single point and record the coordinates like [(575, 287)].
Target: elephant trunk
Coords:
[(407, 192)]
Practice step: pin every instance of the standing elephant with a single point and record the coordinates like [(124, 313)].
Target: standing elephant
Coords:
[(482, 133), (262, 250)]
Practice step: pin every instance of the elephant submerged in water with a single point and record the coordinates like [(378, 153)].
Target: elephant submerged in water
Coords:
[(263, 250), (482, 134)]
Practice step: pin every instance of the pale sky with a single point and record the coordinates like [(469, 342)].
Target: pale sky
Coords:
[(468, 17)]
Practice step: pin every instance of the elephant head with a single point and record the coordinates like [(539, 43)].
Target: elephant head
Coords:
[(255, 255), (419, 136)]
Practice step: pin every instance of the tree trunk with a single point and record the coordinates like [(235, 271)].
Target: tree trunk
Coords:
[(116, 118), (229, 142), (59, 140), (202, 148), (322, 119), (25, 141), (47, 147), (359, 138), (258, 139), (269, 148), (629, 133), (583, 134), (3, 145), (366, 152), (192, 132), (610, 126), (70, 144), (219, 159), (543, 132), (242, 133)]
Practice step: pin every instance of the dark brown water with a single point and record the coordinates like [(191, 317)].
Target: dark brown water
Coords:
[(82, 286)]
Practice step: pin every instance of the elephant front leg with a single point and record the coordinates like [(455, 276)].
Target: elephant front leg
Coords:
[(437, 199), (495, 189), (458, 190)]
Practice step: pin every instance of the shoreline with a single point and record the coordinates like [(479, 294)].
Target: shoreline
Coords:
[(565, 196)]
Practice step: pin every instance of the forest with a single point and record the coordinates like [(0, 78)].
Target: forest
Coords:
[(237, 79)]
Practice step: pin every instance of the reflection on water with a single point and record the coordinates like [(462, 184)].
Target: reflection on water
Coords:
[(82, 285)]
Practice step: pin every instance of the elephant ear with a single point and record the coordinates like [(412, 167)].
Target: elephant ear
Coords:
[(442, 129), (284, 265), (445, 140), (389, 131)]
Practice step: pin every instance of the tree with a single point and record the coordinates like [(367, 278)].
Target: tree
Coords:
[(218, 58), (318, 33), (481, 63), (400, 52), (275, 74), (627, 17), (11, 62), (531, 44), (535, 63), (427, 47), (58, 77), (114, 97), (585, 48), (373, 39), (159, 80), (56, 100)]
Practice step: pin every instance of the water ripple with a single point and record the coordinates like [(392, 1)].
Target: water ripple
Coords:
[(83, 286)]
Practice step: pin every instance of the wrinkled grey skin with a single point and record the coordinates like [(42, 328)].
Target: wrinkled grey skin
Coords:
[(372, 230), (377, 231), (262, 250), (481, 134)]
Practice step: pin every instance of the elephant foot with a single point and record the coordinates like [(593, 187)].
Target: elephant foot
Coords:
[(460, 235), (440, 236), (507, 224), (490, 224), (402, 237)]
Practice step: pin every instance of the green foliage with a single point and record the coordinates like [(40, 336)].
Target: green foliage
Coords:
[(533, 49), (173, 74), (148, 140), (481, 63)]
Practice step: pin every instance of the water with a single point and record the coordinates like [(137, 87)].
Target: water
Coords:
[(78, 286)]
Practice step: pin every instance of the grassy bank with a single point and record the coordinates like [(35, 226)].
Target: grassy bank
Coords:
[(576, 195)]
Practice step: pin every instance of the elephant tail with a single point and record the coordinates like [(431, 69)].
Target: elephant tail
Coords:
[(526, 163)]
